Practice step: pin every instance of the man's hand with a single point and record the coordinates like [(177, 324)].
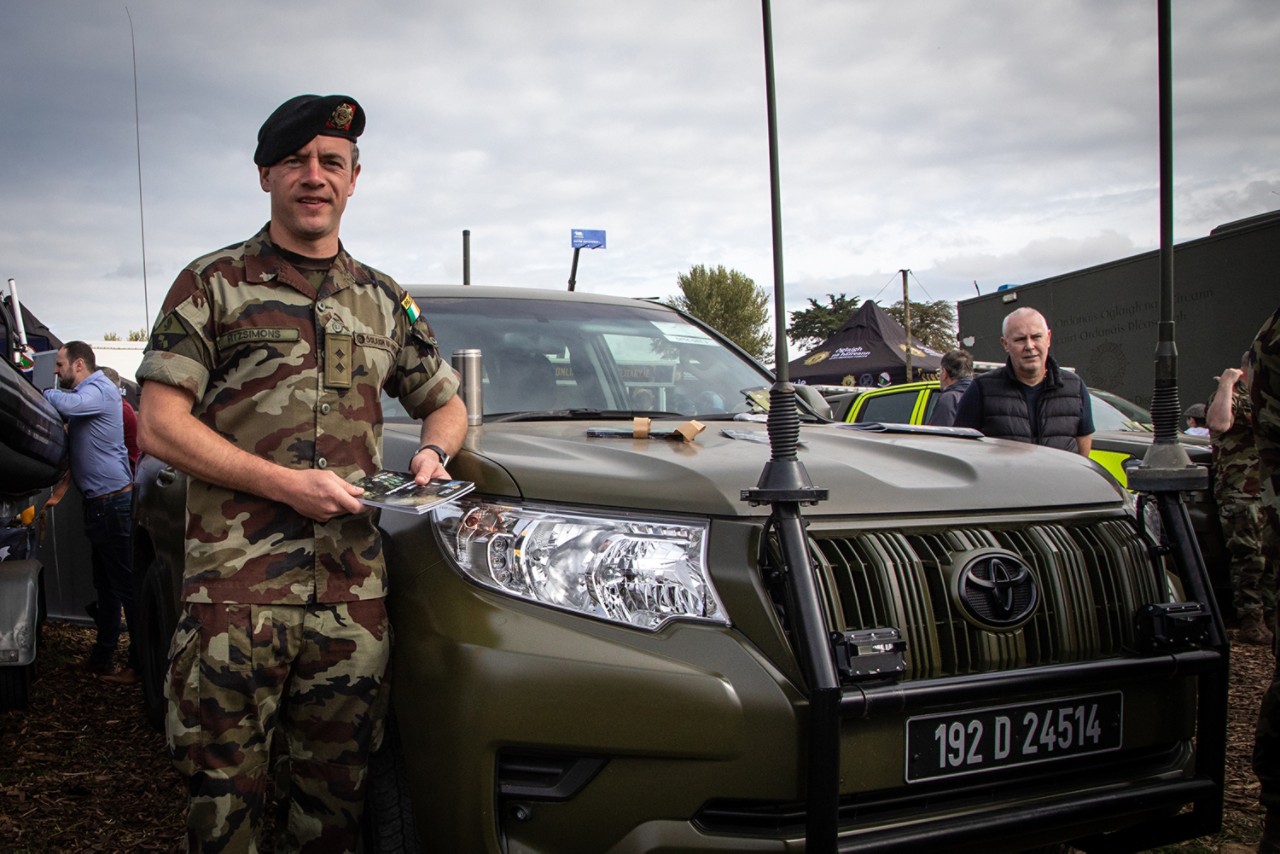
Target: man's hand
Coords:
[(426, 465), (445, 427), (319, 494), (1229, 377)]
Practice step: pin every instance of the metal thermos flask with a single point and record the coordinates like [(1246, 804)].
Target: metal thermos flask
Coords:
[(469, 366)]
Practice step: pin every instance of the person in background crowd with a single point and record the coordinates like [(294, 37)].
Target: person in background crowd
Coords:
[(1235, 486), (954, 379), (1264, 395), (1197, 423), (262, 381), (1029, 399), (130, 420), (90, 403)]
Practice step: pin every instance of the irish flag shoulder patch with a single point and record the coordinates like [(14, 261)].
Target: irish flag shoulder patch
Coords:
[(410, 308)]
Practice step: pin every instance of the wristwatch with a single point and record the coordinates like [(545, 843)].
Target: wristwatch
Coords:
[(439, 451)]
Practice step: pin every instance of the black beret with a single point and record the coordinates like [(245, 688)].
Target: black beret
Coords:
[(301, 119)]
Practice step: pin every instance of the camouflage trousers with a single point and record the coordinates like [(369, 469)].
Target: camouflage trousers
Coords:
[(311, 677), (1266, 739), (1266, 744), (1253, 566)]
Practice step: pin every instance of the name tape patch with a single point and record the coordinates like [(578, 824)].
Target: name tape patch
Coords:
[(256, 334)]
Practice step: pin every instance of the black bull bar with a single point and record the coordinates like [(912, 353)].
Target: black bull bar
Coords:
[(1079, 815)]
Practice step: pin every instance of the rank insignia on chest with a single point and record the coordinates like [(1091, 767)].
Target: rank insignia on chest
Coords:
[(411, 309), (337, 360)]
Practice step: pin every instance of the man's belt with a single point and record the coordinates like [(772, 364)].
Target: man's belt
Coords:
[(120, 491)]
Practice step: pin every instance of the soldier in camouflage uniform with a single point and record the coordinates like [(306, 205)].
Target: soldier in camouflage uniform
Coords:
[(262, 381), (1235, 486), (1265, 396)]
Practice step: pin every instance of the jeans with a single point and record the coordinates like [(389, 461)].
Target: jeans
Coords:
[(108, 524)]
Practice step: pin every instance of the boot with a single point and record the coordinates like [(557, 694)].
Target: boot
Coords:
[(1254, 630), (1270, 842)]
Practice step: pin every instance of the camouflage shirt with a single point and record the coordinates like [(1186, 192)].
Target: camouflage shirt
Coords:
[(293, 373), (1265, 394), (1235, 459)]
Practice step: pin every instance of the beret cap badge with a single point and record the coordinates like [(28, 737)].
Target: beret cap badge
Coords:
[(342, 116)]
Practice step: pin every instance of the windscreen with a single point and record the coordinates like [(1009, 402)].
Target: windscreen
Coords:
[(555, 358)]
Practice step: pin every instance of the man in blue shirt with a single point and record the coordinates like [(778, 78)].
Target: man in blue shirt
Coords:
[(90, 403)]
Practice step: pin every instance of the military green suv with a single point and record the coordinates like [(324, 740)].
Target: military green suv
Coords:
[(598, 649)]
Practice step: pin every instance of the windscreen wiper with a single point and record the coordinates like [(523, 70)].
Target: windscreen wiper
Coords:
[(580, 414)]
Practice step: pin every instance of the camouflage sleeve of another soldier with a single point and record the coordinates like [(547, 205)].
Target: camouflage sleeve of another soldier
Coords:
[(1264, 392)]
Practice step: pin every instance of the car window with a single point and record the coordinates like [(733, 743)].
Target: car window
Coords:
[(1107, 414), (553, 356), (889, 408)]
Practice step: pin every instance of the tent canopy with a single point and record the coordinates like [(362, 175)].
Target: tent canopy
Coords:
[(869, 350)]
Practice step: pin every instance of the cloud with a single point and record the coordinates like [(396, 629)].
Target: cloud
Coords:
[(959, 139)]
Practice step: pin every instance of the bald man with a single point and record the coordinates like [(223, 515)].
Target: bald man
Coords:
[(1030, 399)]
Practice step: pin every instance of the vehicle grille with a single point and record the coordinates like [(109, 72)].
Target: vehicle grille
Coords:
[(1092, 578)]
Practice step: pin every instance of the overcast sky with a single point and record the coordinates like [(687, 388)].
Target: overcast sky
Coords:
[(970, 141)]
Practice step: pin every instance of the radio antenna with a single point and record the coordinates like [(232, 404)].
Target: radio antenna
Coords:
[(137, 144)]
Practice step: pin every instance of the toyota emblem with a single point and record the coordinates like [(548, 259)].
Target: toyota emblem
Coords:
[(996, 590)]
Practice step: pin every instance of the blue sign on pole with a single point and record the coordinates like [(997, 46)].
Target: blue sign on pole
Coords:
[(585, 238)]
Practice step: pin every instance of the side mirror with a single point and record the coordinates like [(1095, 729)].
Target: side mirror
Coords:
[(814, 400)]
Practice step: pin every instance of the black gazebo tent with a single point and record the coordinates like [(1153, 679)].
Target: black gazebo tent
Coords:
[(869, 350)]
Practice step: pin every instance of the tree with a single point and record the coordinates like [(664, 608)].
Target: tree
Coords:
[(934, 323), (111, 336), (810, 326), (138, 334), (729, 302)]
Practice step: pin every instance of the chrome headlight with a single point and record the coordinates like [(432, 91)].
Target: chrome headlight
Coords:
[(641, 571)]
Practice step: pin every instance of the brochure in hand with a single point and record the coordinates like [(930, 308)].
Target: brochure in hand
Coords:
[(397, 490)]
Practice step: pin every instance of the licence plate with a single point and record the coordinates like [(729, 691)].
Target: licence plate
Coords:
[(975, 741)]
